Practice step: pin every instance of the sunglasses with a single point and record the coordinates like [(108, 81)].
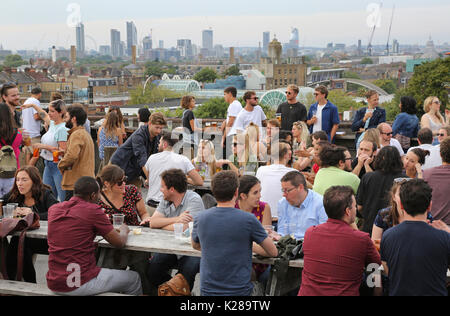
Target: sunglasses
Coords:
[(388, 134), (255, 98), (288, 93), (441, 135), (402, 180), (437, 102), (123, 181)]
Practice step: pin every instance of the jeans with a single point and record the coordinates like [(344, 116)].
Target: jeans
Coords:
[(5, 186), (110, 281), (160, 264), (53, 178)]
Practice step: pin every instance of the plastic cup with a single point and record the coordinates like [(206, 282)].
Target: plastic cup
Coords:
[(36, 153), (8, 211), (191, 227), (56, 156), (118, 220), (178, 231)]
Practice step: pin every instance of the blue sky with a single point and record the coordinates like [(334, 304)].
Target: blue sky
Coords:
[(235, 22)]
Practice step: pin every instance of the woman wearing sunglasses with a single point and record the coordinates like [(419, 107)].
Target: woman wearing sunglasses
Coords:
[(118, 198), (432, 118)]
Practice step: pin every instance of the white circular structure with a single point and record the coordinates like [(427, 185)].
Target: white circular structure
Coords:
[(180, 85), (274, 98)]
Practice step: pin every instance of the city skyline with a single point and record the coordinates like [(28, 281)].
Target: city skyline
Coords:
[(316, 28)]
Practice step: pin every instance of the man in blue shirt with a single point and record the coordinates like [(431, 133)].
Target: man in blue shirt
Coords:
[(414, 254), (300, 208), (226, 237), (323, 115)]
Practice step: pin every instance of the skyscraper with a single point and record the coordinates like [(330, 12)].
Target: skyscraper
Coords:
[(184, 46), (115, 43), (81, 48), (131, 37), (208, 39), (266, 41)]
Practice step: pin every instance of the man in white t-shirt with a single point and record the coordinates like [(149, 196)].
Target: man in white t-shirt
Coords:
[(163, 161), (270, 178), (233, 111), (387, 140), (31, 118), (251, 113), (425, 137)]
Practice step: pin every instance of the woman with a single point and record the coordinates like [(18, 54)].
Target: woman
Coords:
[(9, 136), (206, 163), (190, 126), (242, 160), (121, 120), (118, 198), (432, 118), (413, 162), (53, 141), (109, 135), (32, 196), (301, 156), (406, 124), (257, 148), (370, 116), (250, 201)]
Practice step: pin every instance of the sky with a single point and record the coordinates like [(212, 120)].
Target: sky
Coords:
[(39, 25)]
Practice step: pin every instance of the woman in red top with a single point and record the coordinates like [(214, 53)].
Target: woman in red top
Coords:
[(9, 136), (118, 198), (250, 201)]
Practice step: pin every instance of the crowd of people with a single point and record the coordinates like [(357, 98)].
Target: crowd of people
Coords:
[(268, 178)]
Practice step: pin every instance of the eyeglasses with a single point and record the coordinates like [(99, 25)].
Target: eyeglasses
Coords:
[(123, 181), (388, 134), (288, 93), (441, 135), (437, 102), (255, 98), (287, 191)]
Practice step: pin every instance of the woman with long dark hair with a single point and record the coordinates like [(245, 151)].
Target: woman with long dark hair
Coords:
[(373, 191), (10, 137), (406, 124), (32, 196), (109, 135)]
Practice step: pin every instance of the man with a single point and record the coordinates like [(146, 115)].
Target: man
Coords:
[(300, 208), (79, 157), (10, 95), (225, 236), (336, 270), (333, 171), (425, 137), (132, 156), (414, 254), (251, 113), (323, 115), (72, 228), (386, 138), (179, 206), (230, 95), (270, 177), (163, 161), (292, 111), (31, 118), (364, 162), (439, 180)]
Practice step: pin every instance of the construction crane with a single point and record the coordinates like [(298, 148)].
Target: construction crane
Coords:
[(390, 29), (369, 47)]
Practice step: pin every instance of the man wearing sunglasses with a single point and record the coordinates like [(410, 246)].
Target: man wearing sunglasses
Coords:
[(251, 113), (291, 111), (386, 138)]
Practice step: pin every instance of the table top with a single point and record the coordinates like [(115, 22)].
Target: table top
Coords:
[(156, 241)]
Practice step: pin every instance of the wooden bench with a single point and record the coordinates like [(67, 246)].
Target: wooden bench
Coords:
[(29, 289)]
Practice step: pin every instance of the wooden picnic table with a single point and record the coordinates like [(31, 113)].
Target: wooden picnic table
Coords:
[(161, 241)]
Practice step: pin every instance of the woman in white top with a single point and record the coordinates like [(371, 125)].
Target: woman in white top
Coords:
[(55, 140), (432, 118)]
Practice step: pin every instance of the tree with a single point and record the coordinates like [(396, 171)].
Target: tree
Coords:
[(393, 108), (152, 94), (367, 61), (387, 85), (350, 75), (232, 71), (215, 108), (342, 101), (429, 79), (14, 61), (206, 75)]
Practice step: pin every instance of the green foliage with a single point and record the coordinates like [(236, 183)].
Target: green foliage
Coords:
[(151, 95), (158, 69), (215, 108), (14, 61), (387, 85), (351, 75), (206, 75), (342, 101), (232, 71), (392, 108), (315, 68), (367, 61), (429, 79)]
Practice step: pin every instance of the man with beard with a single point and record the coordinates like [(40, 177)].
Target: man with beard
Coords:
[(79, 157), (251, 113), (10, 95)]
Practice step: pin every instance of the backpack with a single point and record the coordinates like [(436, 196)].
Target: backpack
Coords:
[(8, 161)]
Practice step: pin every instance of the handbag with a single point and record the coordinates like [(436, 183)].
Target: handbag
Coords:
[(177, 286), (9, 226)]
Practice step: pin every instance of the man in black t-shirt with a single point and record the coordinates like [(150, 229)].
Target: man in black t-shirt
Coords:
[(414, 254), (363, 163), (292, 111)]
